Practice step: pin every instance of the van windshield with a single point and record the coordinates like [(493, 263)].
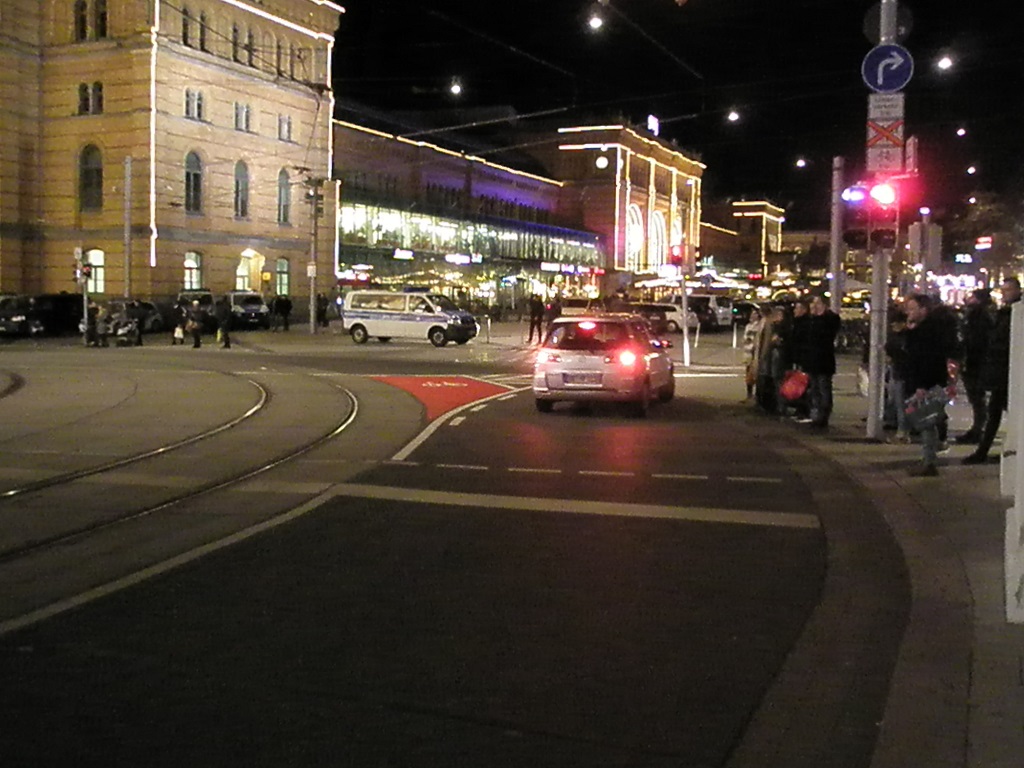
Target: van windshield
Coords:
[(443, 303)]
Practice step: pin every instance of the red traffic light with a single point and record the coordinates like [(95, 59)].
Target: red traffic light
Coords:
[(884, 194)]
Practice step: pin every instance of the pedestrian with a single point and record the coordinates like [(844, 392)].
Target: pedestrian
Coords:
[(92, 312), (772, 360), (978, 322), (103, 320), (997, 371), (800, 327), (284, 306), (194, 323), (321, 310), (927, 373), (819, 360), (222, 313), (751, 337), (536, 319), (896, 391)]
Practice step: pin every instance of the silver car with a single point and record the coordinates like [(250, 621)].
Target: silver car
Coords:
[(602, 358)]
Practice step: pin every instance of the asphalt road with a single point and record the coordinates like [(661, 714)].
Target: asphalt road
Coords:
[(521, 589)]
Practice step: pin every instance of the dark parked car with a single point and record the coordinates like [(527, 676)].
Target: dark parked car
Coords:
[(48, 314), (248, 310), (150, 318)]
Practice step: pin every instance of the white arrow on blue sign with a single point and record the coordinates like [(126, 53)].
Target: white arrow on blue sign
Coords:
[(887, 68)]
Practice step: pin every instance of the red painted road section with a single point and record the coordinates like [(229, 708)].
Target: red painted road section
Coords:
[(440, 394)]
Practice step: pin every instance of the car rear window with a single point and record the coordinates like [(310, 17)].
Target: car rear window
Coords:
[(591, 336), (251, 301)]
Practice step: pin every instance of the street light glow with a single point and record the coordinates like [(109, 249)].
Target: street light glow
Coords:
[(595, 22), (455, 88), (961, 132), (801, 163), (944, 63), (733, 116), (971, 170)]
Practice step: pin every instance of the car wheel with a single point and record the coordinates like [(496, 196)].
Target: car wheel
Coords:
[(544, 406), (383, 339), (667, 392), (673, 327), (359, 334), (643, 405), (437, 337)]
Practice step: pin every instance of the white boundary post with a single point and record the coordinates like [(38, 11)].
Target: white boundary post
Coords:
[(1011, 466)]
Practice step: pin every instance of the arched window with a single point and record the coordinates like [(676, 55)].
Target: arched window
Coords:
[(193, 183), (99, 19), (202, 32), (90, 179), (98, 274), (81, 20), (236, 43), (634, 236), (242, 275), (282, 278), (84, 101), (657, 241), (284, 198), (241, 190), (279, 58), (193, 271), (250, 48), (186, 27)]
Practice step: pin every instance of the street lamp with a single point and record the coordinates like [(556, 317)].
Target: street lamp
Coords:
[(733, 116), (945, 63)]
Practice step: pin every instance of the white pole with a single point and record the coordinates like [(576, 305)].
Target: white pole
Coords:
[(1012, 474), (835, 263), (128, 226)]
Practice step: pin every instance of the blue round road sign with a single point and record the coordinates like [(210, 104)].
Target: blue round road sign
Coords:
[(887, 68)]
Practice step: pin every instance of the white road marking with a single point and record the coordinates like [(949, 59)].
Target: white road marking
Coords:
[(536, 470), (507, 397), (478, 408), (476, 467), (604, 473), (570, 506), (754, 479), (670, 476), (400, 463), (456, 421)]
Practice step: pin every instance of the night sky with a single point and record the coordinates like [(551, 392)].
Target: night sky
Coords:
[(791, 68)]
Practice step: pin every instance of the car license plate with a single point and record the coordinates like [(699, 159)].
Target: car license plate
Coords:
[(582, 379)]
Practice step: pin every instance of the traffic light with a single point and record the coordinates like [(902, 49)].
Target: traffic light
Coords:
[(884, 215), (676, 255), (86, 271), (855, 217)]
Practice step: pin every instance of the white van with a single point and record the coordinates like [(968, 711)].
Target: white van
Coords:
[(714, 311), (388, 315)]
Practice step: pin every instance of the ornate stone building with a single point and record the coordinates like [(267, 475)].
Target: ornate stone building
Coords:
[(172, 142)]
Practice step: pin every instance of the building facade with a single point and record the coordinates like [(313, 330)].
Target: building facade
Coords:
[(171, 145)]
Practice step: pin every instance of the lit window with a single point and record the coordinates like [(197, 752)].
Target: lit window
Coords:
[(282, 278), (243, 117), (193, 183), (193, 104), (284, 127), (241, 190), (96, 259), (90, 179), (193, 271)]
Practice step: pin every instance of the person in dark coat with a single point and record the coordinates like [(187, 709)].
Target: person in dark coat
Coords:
[(927, 355), (536, 319), (222, 314), (996, 373), (979, 320), (284, 309), (798, 339), (819, 359), (194, 324)]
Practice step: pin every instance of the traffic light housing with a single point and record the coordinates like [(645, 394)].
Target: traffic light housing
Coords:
[(884, 215), (676, 255), (855, 217)]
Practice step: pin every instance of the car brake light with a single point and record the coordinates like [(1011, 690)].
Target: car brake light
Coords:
[(627, 358), (587, 325)]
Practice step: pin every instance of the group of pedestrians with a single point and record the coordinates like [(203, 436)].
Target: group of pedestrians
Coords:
[(929, 349), (542, 315), (796, 336), (193, 319)]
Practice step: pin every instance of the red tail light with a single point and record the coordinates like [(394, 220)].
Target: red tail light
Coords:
[(627, 358)]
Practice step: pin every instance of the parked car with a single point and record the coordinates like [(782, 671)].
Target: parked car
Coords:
[(657, 320), (47, 314), (580, 305), (713, 311), (388, 314), (741, 311), (602, 358), (673, 316), (149, 317), (205, 299), (248, 310)]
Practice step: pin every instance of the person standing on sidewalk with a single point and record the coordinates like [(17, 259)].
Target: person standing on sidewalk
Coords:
[(536, 319), (997, 371), (926, 355), (194, 324), (979, 319), (222, 313), (819, 360)]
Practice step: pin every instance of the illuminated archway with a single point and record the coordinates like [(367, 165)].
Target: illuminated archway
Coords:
[(634, 236)]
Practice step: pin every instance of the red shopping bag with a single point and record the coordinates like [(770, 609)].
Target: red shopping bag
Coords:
[(794, 385)]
